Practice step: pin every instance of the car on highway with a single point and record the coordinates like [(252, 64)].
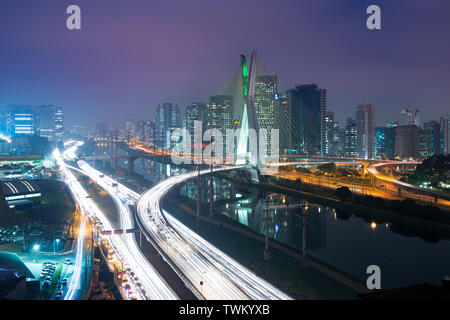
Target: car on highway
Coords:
[(48, 264), (67, 261), (64, 282)]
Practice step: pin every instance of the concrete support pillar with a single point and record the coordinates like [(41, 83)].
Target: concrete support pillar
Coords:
[(199, 195), (211, 195), (131, 166)]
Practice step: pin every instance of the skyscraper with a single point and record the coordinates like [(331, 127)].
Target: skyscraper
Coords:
[(430, 139), (407, 141), (385, 142), (365, 127), (350, 139), (219, 112), (167, 121), (410, 116), (445, 132), (266, 89), (59, 123), (19, 120), (308, 105), (195, 112), (328, 134)]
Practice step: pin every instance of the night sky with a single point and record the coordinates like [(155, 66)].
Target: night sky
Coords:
[(133, 54)]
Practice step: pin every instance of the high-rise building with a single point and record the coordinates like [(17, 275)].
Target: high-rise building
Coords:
[(149, 132), (308, 105), (282, 121), (219, 112), (328, 134), (195, 112), (350, 135), (385, 142), (445, 132), (430, 139), (2, 122), (365, 126), (59, 123), (45, 121), (19, 120), (130, 129), (407, 141), (266, 89), (167, 121), (410, 116)]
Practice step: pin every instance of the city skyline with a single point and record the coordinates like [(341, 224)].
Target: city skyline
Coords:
[(88, 70)]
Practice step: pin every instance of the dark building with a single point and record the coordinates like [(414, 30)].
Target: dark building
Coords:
[(308, 105), (431, 141), (407, 141), (167, 121), (385, 142), (350, 135)]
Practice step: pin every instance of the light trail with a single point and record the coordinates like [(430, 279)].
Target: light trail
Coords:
[(133, 256), (154, 286), (197, 259)]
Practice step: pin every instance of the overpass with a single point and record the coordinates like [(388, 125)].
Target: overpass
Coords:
[(407, 188)]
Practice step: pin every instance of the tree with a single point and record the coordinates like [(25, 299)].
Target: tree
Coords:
[(327, 167), (343, 193)]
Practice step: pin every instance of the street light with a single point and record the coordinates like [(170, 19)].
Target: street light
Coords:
[(36, 247)]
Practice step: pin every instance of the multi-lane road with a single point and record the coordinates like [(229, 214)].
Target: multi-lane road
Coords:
[(146, 281), (210, 271)]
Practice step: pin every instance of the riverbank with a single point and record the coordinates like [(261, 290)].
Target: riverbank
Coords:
[(284, 270)]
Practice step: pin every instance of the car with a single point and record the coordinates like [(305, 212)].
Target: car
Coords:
[(49, 268), (67, 261), (64, 282), (58, 295)]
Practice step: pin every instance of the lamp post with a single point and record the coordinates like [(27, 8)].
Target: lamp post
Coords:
[(56, 249)]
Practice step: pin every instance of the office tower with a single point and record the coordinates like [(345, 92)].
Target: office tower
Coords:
[(130, 129), (430, 139), (59, 123), (365, 127), (328, 134), (385, 142), (219, 112), (282, 121), (149, 132), (19, 120), (308, 111), (445, 132), (350, 139), (45, 121), (167, 121), (195, 112), (266, 89), (407, 141), (410, 116), (336, 140), (2, 122)]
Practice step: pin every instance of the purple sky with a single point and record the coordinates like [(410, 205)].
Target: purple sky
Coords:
[(133, 54)]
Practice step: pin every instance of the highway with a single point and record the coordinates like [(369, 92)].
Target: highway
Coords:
[(148, 284), (409, 190), (200, 262)]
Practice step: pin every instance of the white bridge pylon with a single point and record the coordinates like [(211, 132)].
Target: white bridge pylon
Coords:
[(248, 154)]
